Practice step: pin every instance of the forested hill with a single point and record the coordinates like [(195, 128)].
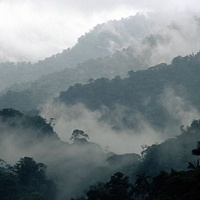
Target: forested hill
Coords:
[(108, 50), (143, 91), (72, 167), (27, 96), (102, 40), (33, 128), (166, 171)]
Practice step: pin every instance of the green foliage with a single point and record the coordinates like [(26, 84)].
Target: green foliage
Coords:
[(36, 196), (26, 180), (34, 126), (173, 153), (8, 113), (9, 187), (196, 151), (78, 136), (182, 185), (142, 186), (192, 166), (141, 92), (92, 57), (117, 188), (28, 171)]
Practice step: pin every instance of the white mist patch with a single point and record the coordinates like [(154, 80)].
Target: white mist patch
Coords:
[(179, 109), (33, 30), (171, 36), (73, 167), (177, 38), (68, 119)]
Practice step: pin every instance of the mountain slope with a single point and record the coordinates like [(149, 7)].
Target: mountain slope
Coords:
[(101, 41), (73, 167), (152, 93), (144, 49), (174, 153), (28, 96)]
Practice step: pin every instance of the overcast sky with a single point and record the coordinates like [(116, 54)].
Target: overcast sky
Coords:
[(34, 29)]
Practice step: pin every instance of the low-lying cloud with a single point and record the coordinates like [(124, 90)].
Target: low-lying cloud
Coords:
[(33, 30), (68, 119), (72, 167), (180, 110), (123, 140)]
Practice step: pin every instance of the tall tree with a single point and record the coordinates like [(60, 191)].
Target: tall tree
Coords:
[(79, 136)]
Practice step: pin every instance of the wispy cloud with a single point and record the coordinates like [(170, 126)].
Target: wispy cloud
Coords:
[(32, 30), (79, 117)]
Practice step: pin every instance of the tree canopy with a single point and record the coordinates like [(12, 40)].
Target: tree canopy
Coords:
[(26, 180), (79, 136), (142, 92)]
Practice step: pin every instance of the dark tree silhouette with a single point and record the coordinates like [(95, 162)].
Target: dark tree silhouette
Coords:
[(28, 171), (142, 185), (117, 188), (78, 136), (26, 180), (196, 151)]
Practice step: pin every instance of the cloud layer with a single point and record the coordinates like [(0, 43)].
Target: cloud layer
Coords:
[(68, 119), (33, 30)]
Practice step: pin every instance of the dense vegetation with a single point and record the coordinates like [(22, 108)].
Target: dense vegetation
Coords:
[(96, 73), (31, 136), (99, 42), (157, 177), (174, 185), (173, 153), (142, 92), (64, 160), (33, 127), (25, 96), (109, 50), (25, 180)]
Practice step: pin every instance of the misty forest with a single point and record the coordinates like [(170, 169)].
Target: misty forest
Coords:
[(116, 116)]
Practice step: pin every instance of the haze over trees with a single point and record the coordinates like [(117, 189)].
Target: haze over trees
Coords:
[(123, 82), (34, 137), (96, 165), (132, 43), (25, 180), (142, 92), (101, 41)]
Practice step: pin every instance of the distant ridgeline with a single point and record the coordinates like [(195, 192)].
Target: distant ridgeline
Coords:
[(27, 96), (102, 40), (108, 50), (143, 92)]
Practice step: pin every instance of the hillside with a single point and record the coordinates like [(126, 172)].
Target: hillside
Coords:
[(23, 135), (174, 153), (167, 171), (102, 40), (32, 136), (157, 94), (114, 117), (28, 96), (108, 50)]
